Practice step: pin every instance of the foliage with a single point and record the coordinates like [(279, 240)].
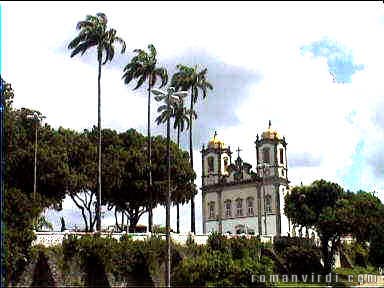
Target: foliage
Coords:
[(126, 180), (301, 261), (357, 253), (143, 67), (376, 247), (19, 212), (217, 269), (280, 244), (20, 148), (321, 205), (326, 207), (42, 223), (93, 32)]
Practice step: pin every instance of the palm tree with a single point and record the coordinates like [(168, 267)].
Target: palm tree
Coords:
[(94, 33), (143, 67), (181, 122), (190, 78)]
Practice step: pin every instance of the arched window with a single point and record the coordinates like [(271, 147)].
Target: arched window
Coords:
[(281, 156), (268, 204), (266, 155), (239, 207), (250, 210), (210, 160), (211, 207), (228, 208), (225, 163)]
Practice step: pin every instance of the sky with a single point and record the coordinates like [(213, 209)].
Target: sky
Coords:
[(313, 68)]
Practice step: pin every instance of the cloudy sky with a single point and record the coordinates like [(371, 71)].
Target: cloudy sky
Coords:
[(314, 69)]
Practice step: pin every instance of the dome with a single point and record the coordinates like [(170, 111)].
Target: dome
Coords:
[(270, 133), (215, 142)]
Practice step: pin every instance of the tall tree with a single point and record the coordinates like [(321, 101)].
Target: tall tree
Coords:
[(143, 68), (181, 122), (190, 78), (127, 187), (323, 206), (94, 33)]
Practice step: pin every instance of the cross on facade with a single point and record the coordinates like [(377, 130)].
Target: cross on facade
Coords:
[(238, 152)]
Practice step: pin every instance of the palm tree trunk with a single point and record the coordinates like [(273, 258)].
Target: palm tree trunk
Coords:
[(150, 212), (193, 230), (177, 205), (98, 198)]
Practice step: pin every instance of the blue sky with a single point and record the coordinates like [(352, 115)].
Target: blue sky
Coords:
[(313, 68), (340, 61)]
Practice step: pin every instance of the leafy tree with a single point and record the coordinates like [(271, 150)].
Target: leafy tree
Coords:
[(321, 205), (181, 122), (93, 32), (128, 190), (19, 211), (190, 78), (143, 68), (21, 207), (52, 170), (366, 213)]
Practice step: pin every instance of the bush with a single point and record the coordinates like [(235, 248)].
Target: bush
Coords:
[(218, 242), (302, 260), (357, 253), (217, 269)]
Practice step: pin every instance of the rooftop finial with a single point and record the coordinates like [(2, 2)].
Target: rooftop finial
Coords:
[(269, 124), (214, 135), (238, 152)]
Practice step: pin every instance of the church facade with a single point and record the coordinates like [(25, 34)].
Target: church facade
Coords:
[(238, 200)]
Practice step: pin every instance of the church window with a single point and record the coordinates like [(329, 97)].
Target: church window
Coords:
[(210, 160), (250, 206), (281, 156), (228, 208), (211, 206), (225, 163), (266, 156), (239, 207), (268, 204)]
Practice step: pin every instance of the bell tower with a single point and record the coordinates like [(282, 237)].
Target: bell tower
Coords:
[(216, 158), (272, 168)]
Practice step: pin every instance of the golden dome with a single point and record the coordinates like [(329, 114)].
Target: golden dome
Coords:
[(270, 133), (215, 142)]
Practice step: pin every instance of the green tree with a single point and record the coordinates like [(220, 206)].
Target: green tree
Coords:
[(181, 122), (143, 68), (190, 78), (19, 211), (128, 189), (322, 206), (94, 33)]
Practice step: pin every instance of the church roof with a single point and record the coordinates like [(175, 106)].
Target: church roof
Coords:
[(270, 133), (215, 142)]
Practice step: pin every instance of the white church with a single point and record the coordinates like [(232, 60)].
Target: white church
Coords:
[(237, 200)]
